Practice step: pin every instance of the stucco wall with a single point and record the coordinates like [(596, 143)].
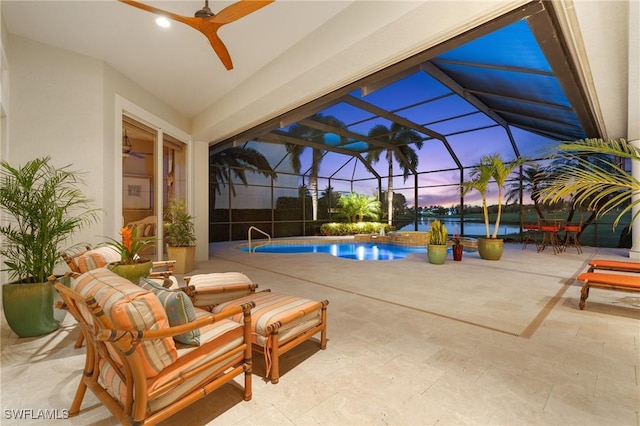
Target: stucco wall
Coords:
[(63, 105)]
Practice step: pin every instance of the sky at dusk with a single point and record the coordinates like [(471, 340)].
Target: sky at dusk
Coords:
[(506, 66)]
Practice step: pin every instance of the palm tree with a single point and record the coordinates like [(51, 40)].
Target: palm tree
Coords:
[(399, 138), (590, 177), (300, 131), (356, 207), (532, 181), (490, 167), (501, 172), (235, 161), (479, 181)]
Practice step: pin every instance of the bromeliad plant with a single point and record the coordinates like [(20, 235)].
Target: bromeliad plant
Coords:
[(130, 247)]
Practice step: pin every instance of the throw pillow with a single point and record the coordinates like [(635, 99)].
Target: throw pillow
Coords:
[(178, 307)]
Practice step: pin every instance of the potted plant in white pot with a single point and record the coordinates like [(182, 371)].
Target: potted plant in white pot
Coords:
[(437, 248), (42, 208), (180, 235), (491, 167)]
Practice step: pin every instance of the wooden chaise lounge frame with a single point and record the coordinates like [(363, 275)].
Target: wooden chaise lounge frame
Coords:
[(609, 281), (103, 341)]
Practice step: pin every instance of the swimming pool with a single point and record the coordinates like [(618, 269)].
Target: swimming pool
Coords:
[(356, 251)]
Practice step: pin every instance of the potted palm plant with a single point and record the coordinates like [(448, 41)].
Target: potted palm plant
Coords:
[(490, 167), (43, 208), (437, 248), (180, 235)]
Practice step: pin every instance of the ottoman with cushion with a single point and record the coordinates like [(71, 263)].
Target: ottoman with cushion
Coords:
[(208, 290), (279, 323)]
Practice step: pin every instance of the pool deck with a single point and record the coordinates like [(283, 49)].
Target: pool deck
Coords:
[(471, 342)]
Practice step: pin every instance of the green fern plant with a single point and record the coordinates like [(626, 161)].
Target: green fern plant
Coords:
[(179, 226), (438, 233)]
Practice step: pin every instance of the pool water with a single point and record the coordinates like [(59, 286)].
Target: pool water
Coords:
[(357, 251)]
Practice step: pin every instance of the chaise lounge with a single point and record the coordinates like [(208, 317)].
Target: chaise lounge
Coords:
[(626, 281)]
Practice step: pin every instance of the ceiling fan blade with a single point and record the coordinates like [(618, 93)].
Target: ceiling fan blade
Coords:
[(219, 48), (238, 10)]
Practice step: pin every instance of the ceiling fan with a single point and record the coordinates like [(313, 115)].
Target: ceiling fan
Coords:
[(126, 148), (208, 22)]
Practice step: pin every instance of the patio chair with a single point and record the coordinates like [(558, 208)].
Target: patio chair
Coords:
[(531, 232), (572, 231), (90, 259), (134, 363)]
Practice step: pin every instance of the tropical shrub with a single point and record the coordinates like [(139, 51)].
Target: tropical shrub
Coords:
[(357, 207), (338, 229)]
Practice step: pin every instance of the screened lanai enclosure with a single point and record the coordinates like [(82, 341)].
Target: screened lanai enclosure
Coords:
[(413, 130)]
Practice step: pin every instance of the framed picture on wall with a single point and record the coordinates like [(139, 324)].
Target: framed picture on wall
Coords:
[(136, 192)]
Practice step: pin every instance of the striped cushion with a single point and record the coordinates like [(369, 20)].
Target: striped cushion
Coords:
[(97, 258), (204, 282), (217, 339), (130, 307), (178, 307), (273, 307)]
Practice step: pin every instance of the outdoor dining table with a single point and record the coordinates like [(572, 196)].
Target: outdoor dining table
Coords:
[(550, 238)]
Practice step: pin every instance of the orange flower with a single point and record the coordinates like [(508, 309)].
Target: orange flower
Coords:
[(131, 246), (126, 237)]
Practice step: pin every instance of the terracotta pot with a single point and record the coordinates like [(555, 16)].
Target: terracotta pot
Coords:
[(133, 272)]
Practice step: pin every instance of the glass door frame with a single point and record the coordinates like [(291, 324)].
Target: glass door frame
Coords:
[(127, 108)]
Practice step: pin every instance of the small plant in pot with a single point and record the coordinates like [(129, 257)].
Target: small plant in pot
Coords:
[(491, 167), (180, 235), (457, 248), (437, 248), (131, 265), (43, 208)]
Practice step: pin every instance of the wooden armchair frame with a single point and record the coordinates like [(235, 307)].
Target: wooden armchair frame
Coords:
[(103, 340)]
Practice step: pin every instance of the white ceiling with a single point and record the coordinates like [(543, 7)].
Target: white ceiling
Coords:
[(284, 54), (129, 40)]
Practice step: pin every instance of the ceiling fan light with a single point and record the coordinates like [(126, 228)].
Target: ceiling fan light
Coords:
[(126, 145), (205, 12), (163, 22)]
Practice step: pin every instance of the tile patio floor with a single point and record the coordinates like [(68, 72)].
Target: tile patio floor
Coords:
[(471, 342)]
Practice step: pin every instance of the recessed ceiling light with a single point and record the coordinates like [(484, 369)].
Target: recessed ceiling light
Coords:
[(163, 22)]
